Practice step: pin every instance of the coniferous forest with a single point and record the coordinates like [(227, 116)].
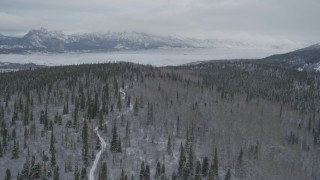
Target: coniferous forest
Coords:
[(214, 120)]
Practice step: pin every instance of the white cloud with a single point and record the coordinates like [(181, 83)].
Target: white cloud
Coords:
[(262, 20)]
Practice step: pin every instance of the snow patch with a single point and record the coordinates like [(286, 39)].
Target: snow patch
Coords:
[(317, 68)]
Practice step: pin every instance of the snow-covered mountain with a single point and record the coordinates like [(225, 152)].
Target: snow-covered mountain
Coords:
[(42, 40), (307, 59), (56, 41)]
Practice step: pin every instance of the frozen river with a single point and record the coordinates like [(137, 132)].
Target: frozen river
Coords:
[(158, 57)]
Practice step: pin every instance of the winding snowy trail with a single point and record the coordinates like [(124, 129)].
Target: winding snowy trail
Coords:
[(102, 141)]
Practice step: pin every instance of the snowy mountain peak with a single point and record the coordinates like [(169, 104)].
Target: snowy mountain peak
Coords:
[(44, 40)]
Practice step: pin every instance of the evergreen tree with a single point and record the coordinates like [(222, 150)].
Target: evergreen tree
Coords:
[(83, 174), (186, 172), (147, 173), (76, 173), (52, 150), (25, 170), (178, 126), (157, 175), (228, 175), (136, 107), (114, 143), (174, 176), (85, 147), (35, 171), (198, 171), (215, 163), (240, 158), (190, 162), (98, 144), (169, 146), (8, 175), (46, 121), (119, 105), (182, 161), (211, 175), (100, 120), (163, 172), (1, 150), (59, 120), (75, 117), (15, 150), (56, 175), (129, 101), (122, 174), (205, 167), (127, 137), (119, 148), (142, 171), (103, 172), (26, 114)]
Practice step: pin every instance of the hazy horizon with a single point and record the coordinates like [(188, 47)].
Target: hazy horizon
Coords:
[(254, 21)]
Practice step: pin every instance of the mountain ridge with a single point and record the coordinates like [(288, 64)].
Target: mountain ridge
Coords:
[(42, 40)]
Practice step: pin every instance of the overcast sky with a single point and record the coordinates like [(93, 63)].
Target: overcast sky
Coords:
[(291, 21)]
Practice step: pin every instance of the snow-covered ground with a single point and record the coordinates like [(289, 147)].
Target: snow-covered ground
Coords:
[(158, 57), (102, 141)]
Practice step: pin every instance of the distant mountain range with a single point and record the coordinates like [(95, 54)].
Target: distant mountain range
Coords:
[(43, 40)]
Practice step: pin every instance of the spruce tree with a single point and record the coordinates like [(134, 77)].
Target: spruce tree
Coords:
[(75, 117), (142, 171), (198, 171), (228, 175), (100, 120), (129, 101), (85, 147), (211, 175), (114, 143), (240, 158), (215, 163), (8, 175), (182, 160), (26, 114), (158, 171), (15, 150), (25, 170), (119, 148), (163, 172), (178, 126), (122, 174), (98, 144), (56, 175), (127, 137), (190, 162), (205, 167), (52, 150), (119, 105), (103, 172), (147, 173), (76, 173), (136, 107), (1, 150), (83, 174), (169, 146), (174, 176), (46, 121), (35, 171)]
